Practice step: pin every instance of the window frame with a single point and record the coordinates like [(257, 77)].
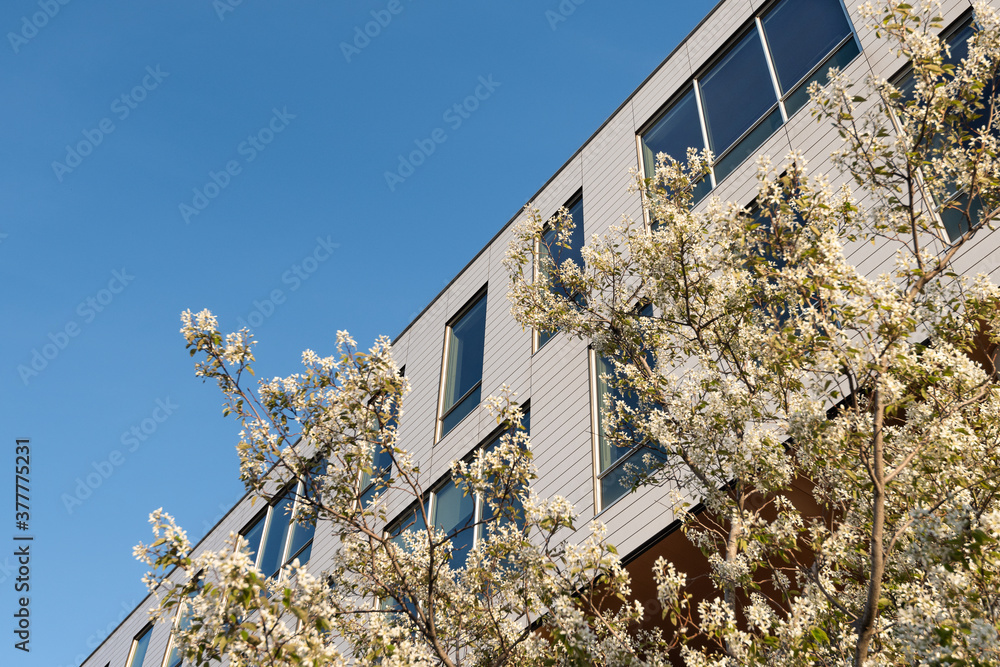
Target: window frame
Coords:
[(964, 224), (430, 500), (536, 334), (781, 104), (444, 413), (146, 633), (178, 619), (366, 490), (296, 489), (597, 432)]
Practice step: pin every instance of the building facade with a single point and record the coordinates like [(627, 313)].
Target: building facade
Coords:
[(735, 85)]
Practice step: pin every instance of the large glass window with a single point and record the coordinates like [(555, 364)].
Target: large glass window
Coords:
[(275, 538), (736, 93), (455, 513), (619, 466), (678, 130), (139, 645), (175, 658), (957, 211), (754, 87), (549, 247), (796, 52), (516, 507), (411, 520), (374, 482), (459, 515), (463, 374)]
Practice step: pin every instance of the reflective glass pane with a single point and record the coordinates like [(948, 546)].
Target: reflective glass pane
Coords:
[(467, 405), (560, 254), (301, 542), (958, 44), (252, 536), (175, 659), (277, 532), (844, 55), (736, 93), (619, 481), (801, 34), (453, 511), (609, 452), (410, 521), (466, 339), (748, 147), (673, 134), (954, 218), (139, 653), (381, 471)]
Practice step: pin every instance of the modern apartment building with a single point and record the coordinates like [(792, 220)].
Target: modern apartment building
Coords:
[(737, 85)]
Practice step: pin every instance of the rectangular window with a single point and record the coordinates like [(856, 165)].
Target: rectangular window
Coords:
[(549, 248), (459, 515), (618, 467), (485, 512), (802, 56), (736, 94), (137, 653), (957, 212), (455, 513), (739, 101), (463, 368), (374, 482), (181, 622), (275, 539)]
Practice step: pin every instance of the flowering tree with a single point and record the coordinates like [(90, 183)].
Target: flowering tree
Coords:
[(523, 596), (752, 358), (769, 361)]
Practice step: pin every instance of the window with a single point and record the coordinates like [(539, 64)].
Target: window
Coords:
[(957, 212), (736, 103), (463, 367), (381, 468), (175, 658), (548, 247), (411, 520), (455, 512), (459, 515), (275, 539), (485, 512), (619, 467), (137, 653)]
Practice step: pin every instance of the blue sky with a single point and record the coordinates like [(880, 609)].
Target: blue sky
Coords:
[(160, 156)]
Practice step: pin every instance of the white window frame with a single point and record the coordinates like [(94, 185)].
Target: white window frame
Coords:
[(577, 197), (443, 413), (267, 515), (753, 25), (146, 631)]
